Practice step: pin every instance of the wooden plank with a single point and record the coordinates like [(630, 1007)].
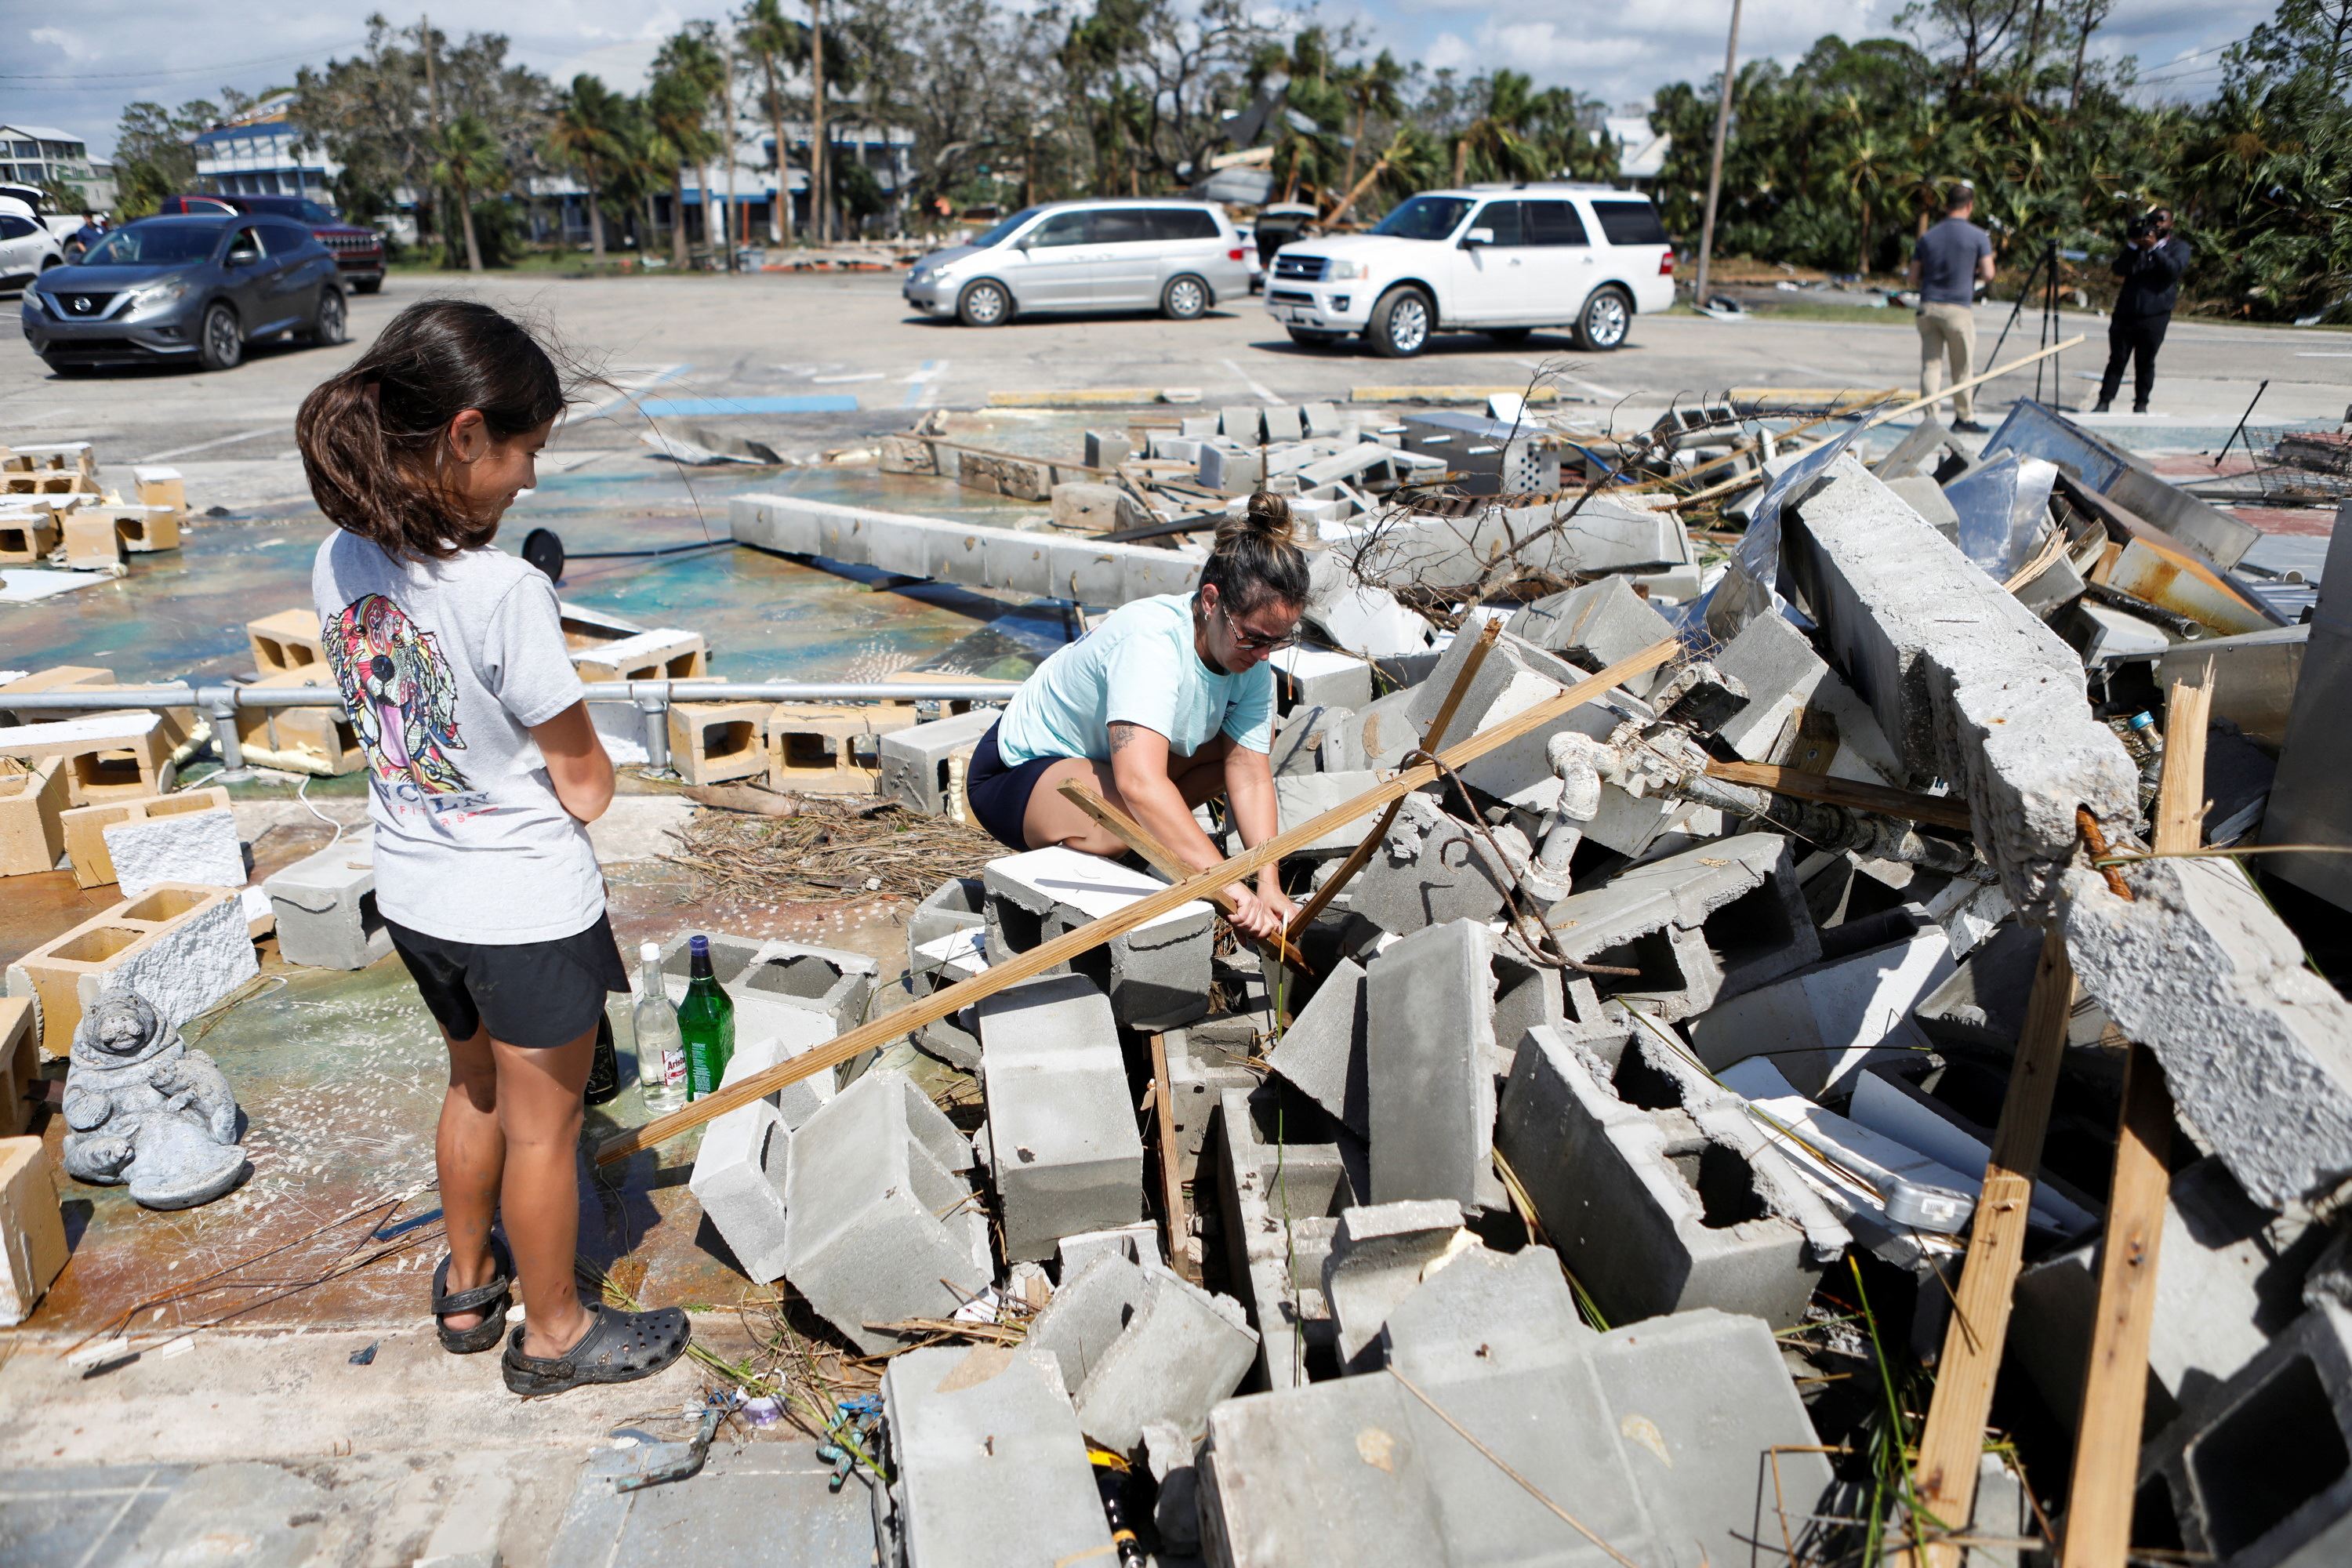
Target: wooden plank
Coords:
[(1146, 843), (1916, 403), (2115, 1380), (1944, 1482), (1361, 855), (1938, 810), (1070, 945), (1172, 1180)]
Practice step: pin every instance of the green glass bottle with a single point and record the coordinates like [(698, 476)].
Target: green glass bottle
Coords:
[(706, 1019)]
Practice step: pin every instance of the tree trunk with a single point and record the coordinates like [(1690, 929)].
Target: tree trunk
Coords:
[(1460, 160), (819, 186), (465, 217), (1348, 179), (677, 217), (780, 223), (595, 224), (1861, 255), (727, 142), (1380, 167)]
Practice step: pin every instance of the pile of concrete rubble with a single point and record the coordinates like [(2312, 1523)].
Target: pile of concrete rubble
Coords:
[(1586, 1193)]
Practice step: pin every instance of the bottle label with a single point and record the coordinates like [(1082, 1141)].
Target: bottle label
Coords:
[(673, 1065)]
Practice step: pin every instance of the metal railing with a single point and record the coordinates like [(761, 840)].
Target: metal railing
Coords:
[(219, 701)]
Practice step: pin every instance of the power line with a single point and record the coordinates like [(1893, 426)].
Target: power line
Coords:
[(77, 79)]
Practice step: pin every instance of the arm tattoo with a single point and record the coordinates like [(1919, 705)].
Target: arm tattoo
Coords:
[(1120, 735)]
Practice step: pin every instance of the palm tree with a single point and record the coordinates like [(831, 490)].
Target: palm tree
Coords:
[(820, 203), (585, 136), (466, 158), (1371, 86), (678, 117), (1411, 159), (775, 43), (1495, 137), (689, 78)]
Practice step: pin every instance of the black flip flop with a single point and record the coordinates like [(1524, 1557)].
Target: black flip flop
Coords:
[(491, 1300), (619, 1347)]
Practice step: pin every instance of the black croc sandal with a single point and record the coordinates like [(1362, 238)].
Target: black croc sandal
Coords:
[(619, 1347), (491, 1300)]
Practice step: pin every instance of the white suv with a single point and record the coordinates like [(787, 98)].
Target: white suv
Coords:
[(1498, 260)]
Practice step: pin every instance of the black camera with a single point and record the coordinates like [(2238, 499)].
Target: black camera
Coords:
[(2141, 226)]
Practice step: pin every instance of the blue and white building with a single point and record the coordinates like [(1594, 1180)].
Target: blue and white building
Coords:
[(260, 154)]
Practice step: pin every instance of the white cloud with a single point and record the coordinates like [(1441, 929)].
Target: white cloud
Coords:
[(73, 45), (1447, 51)]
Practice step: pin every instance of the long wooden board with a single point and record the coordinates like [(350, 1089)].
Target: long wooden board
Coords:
[(1146, 843), (1938, 810), (1086, 938)]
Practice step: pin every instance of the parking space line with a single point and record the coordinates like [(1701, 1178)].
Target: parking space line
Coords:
[(922, 386), (1257, 389), (706, 407), (208, 446), (630, 385), (852, 375)]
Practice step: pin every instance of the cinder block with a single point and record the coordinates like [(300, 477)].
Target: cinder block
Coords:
[(195, 846), (55, 677), (1304, 742), (1477, 1312), (161, 487), (710, 742), (115, 755), (289, 640), (1063, 1142), (32, 806), (834, 985), (1656, 1186), (1137, 1243), (1823, 1025), (85, 827), (915, 760), (1200, 1069), (2261, 1471), (27, 538), (830, 749), (946, 943), (739, 1179), (1433, 869), (20, 1063), (1593, 626), (320, 740), (1379, 735), (992, 1468), (142, 530), (1307, 678), (1279, 1204), (1322, 1053), (1107, 448), (1800, 713), (91, 542), (325, 905), (1157, 975), (33, 1249), (1429, 1072), (1301, 796), (1376, 1261), (663, 653), (882, 1226), (1180, 1351), (181, 948), (1086, 1315)]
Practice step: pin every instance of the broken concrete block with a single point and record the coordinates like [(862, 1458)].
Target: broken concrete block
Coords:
[(1179, 1352), (739, 1179), (1593, 626), (1483, 1312), (1308, 677), (1280, 1203), (2256, 1049), (1092, 508), (1704, 924), (1107, 448), (1302, 740), (1137, 1243), (325, 906), (1800, 713), (1376, 1261), (1157, 975), (991, 1467), (1322, 1053), (819, 748), (1432, 869), (1088, 1311), (832, 984), (881, 1224), (1300, 798), (1923, 495), (33, 798), (915, 760), (1201, 1068), (198, 846), (1228, 470), (1657, 1188), (1429, 1044), (182, 948), (2229, 1277), (946, 943), (1065, 1153), (1821, 1026), (33, 1249), (2261, 1471)]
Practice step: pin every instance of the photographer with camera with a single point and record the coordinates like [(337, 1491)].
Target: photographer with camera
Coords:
[(1952, 257), (2150, 266)]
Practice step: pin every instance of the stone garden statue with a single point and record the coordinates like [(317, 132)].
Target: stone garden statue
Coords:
[(144, 1108)]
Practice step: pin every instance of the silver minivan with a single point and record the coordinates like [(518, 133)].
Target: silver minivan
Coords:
[(1127, 253)]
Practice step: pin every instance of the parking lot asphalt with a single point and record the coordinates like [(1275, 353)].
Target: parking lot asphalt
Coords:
[(812, 358)]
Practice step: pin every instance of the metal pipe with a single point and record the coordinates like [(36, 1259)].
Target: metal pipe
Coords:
[(210, 697)]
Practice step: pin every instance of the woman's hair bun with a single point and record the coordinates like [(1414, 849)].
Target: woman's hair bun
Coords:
[(1269, 517)]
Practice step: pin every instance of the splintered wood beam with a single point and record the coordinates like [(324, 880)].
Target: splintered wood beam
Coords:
[(1095, 934), (2114, 1378), (1172, 1178), (1149, 845), (1936, 810), (1945, 1483)]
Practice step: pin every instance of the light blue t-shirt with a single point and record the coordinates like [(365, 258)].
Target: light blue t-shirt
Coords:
[(1137, 668)]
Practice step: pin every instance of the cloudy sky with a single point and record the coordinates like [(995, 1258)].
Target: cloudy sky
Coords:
[(76, 67)]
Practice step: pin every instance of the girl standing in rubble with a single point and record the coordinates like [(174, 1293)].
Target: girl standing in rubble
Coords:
[(485, 772), (1165, 705)]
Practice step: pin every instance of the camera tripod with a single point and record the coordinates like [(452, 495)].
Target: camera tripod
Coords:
[(2045, 270)]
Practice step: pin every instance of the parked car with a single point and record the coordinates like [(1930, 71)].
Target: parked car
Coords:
[(27, 248), (1499, 259), (1178, 257), (358, 250), (43, 206), (189, 288)]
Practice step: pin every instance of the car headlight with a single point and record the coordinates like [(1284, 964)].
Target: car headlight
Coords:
[(154, 295), (1341, 270)]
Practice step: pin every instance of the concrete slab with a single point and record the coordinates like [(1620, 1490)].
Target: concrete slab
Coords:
[(1066, 1155), (1430, 1003)]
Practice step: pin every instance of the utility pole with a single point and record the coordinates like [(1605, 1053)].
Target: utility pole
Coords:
[(726, 140), (432, 103), (1715, 164)]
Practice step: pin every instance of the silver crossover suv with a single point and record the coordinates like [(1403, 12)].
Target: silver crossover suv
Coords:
[(1178, 257)]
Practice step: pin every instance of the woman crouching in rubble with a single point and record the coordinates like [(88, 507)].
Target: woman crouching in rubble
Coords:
[(484, 772), (1166, 704)]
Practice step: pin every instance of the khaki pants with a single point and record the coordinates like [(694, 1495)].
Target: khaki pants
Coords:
[(1947, 332)]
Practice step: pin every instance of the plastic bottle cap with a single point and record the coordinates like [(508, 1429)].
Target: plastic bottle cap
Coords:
[(650, 952), (698, 944), (2143, 720)]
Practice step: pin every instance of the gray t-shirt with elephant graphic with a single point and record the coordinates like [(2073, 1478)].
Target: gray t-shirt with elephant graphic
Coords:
[(445, 665)]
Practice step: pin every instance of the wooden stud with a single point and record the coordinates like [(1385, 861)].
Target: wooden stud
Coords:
[(1085, 939), (1936, 810), (1172, 1180), (1146, 843)]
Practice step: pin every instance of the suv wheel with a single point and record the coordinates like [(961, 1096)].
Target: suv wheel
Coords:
[(1184, 299), (327, 325), (984, 304), (1401, 324), (220, 345), (1606, 319)]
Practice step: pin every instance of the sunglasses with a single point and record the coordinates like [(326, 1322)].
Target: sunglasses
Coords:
[(1253, 643)]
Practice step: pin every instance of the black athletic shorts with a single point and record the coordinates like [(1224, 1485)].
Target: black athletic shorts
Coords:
[(999, 795), (533, 994)]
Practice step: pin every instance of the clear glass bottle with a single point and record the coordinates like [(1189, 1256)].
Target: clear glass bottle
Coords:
[(661, 1048), (706, 1019)]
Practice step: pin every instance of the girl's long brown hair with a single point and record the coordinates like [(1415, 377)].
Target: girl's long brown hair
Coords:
[(368, 434)]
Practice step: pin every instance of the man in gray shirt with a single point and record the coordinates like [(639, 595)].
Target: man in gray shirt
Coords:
[(1951, 257)]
